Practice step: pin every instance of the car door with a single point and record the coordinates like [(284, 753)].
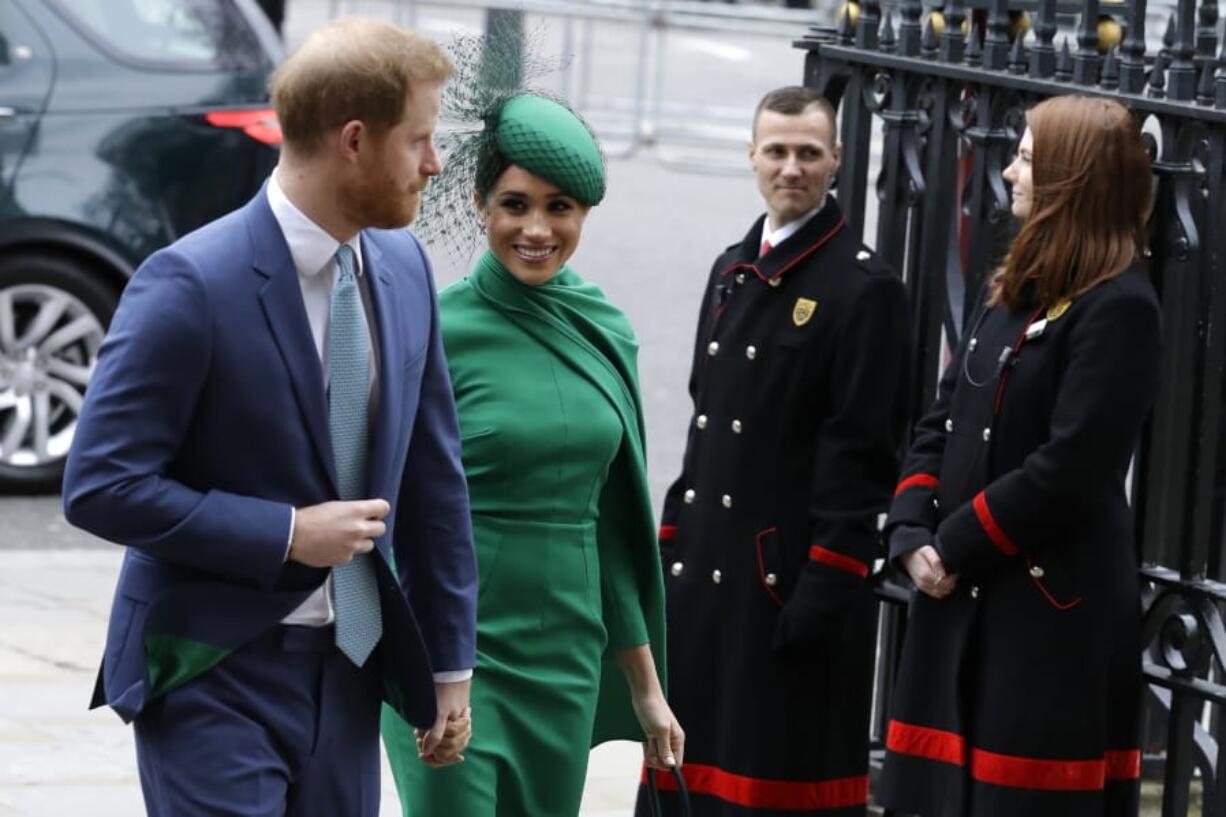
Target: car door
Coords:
[(26, 77)]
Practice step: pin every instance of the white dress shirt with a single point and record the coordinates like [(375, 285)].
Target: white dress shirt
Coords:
[(313, 251), (781, 234)]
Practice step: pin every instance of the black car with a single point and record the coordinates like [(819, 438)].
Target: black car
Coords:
[(123, 125)]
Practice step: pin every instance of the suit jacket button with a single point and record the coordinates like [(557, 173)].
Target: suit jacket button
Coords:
[(751, 352), (713, 348), (701, 421), (1037, 572), (676, 568), (736, 426), (771, 579), (716, 576), (975, 592), (727, 501), (987, 434), (949, 425), (689, 496)]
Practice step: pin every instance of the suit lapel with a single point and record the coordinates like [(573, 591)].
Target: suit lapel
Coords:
[(390, 337), (281, 297)]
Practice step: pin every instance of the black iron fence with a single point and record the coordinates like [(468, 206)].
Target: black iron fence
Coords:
[(947, 88)]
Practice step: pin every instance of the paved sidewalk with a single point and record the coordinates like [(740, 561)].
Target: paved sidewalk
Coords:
[(58, 758)]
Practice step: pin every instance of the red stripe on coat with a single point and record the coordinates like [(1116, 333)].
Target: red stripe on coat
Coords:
[(1123, 764), (926, 742), (757, 792), (817, 553), (917, 481), (1003, 543), (668, 533)]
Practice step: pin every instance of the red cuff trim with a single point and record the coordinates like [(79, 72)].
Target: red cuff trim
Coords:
[(1123, 764), (668, 533), (760, 793), (917, 481), (925, 742), (817, 553), (1003, 543)]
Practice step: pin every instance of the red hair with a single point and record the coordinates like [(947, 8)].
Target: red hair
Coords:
[(1092, 186)]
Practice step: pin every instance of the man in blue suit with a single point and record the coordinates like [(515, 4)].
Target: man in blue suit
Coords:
[(271, 433)]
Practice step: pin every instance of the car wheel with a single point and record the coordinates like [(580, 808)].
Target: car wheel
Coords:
[(54, 312)]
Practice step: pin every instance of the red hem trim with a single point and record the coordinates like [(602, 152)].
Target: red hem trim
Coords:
[(817, 553), (1003, 543), (926, 742), (917, 481), (668, 533), (1014, 771), (757, 792)]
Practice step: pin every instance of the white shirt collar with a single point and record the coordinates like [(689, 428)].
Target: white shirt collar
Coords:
[(310, 245), (790, 229)]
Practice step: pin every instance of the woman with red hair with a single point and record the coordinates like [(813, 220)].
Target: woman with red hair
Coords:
[(1020, 681)]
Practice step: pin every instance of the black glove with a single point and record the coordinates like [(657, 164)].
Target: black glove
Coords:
[(815, 610)]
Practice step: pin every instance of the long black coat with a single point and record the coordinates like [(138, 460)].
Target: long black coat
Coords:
[(1018, 694), (770, 532)]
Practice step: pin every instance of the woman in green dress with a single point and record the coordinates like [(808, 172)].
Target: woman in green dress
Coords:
[(570, 630)]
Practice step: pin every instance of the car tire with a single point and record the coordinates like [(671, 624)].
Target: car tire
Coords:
[(54, 311)]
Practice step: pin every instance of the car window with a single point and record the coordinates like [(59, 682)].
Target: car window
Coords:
[(195, 32)]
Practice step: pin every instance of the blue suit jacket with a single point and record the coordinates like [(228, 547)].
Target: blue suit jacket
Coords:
[(206, 420)]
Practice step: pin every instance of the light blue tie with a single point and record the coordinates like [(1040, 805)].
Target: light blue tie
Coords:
[(359, 622)]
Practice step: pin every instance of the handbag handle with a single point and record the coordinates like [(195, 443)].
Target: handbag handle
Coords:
[(653, 792)]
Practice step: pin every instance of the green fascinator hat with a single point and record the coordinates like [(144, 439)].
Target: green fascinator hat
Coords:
[(548, 140)]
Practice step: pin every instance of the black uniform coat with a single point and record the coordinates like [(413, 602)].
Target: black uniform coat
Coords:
[(1018, 693), (769, 534)]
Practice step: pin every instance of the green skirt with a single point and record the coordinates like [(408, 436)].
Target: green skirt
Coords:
[(540, 638)]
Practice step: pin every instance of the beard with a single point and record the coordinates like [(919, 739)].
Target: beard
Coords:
[(379, 203)]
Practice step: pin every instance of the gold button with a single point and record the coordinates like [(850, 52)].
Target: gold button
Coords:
[(713, 347), (727, 501), (701, 421), (751, 352), (949, 424), (974, 342), (987, 434), (935, 503), (975, 592), (1037, 572), (740, 277), (775, 282), (689, 496), (736, 426), (716, 576), (863, 255), (771, 579), (676, 568)]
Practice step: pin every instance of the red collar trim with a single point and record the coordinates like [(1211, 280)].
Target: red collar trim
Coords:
[(812, 248)]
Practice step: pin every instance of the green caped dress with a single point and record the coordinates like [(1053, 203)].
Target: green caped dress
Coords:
[(552, 432)]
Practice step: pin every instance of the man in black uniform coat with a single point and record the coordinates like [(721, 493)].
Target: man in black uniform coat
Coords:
[(769, 535)]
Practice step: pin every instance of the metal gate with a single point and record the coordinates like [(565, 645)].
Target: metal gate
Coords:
[(949, 90)]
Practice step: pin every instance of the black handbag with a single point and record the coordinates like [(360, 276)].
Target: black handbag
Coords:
[(653, 793)]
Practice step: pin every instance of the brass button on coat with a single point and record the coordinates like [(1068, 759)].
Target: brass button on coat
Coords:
[(676, 568), (949, 424), (713, 348), (727, 501), (736, 426), (1036, 571), (701, 421), (740, 277), (751, 352), (975, 592), (716, 576), (689, 496), (771, 579), (775, 282), (987, 434)]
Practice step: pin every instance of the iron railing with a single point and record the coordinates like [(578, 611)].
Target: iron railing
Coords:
[(950, 105)]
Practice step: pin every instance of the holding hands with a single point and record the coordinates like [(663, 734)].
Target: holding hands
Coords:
[(444, 743), (926, 569)]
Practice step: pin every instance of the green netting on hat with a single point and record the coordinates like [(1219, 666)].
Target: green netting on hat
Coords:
[(548, 140)]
